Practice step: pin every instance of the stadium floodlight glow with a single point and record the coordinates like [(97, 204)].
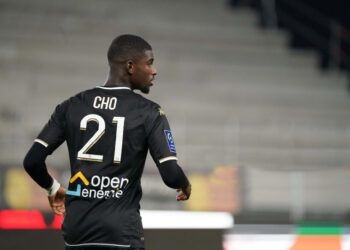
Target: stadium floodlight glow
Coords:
[(155, 219)]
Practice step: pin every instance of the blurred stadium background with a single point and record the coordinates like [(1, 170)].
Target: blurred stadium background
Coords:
[(256, 91)]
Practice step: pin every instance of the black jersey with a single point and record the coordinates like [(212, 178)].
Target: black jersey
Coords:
[(108, 132)]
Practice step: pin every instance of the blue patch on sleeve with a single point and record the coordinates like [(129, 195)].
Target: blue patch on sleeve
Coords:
[(170, 141)]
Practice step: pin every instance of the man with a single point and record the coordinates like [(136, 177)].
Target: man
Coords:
[(109, 130)]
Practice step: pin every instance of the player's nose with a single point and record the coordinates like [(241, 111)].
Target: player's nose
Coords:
[(154, 71)]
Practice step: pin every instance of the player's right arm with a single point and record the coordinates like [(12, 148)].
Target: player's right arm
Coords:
[(163, 151), (51, 136)]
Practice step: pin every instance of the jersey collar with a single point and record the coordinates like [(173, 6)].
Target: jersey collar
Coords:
[(112, 88)]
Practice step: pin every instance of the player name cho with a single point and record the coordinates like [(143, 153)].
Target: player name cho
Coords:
[(105, 102)]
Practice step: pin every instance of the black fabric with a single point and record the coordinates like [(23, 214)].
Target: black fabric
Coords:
[(108, 134), (34, 164), (54, 132), (156, 128), (173, 175)]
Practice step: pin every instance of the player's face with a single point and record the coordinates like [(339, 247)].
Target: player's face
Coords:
[(144, 72)]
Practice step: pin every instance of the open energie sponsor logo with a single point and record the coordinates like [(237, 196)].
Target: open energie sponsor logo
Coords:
[(98, 187)]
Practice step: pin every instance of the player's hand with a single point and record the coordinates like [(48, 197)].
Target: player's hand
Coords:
[(57, 201), (184, 193)]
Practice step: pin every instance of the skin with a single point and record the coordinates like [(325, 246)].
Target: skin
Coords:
[(184, 193), (138, 74), (57, 201)]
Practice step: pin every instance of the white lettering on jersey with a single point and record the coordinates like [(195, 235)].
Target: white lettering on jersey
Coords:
[(105, 102), (99, 187), (104, 182)]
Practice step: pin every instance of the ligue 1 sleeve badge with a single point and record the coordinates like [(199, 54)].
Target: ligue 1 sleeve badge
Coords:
[(170, 141)]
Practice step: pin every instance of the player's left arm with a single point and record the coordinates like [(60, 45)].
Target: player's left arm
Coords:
[(163, 151), (174, 177)]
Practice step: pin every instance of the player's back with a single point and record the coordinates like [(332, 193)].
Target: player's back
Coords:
[(106, 132)]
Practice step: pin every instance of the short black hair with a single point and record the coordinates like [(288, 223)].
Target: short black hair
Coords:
[(126, 47)]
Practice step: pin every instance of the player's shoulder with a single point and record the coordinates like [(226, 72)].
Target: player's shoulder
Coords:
[(78, 96), (150, 109), (64, 106), (83, 94), (145, 102)]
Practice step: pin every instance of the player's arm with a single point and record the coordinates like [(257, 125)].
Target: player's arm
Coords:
[(163, 151), (174, 177), (51, 136), (34, 164)]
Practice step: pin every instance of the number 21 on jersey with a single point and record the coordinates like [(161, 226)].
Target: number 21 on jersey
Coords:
[(119, 121)]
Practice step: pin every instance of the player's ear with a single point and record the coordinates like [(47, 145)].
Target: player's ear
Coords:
[(130, 67)]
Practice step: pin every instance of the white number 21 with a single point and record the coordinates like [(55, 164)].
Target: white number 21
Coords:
[(82, 155)]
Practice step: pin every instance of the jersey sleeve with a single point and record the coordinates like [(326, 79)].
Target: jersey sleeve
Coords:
[(160, 139), (53, 133)]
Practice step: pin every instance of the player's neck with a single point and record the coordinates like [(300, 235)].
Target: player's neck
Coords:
[(117, 84), (117, 81)]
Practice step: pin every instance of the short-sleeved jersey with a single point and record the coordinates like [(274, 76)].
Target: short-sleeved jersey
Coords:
[(108, 133)]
